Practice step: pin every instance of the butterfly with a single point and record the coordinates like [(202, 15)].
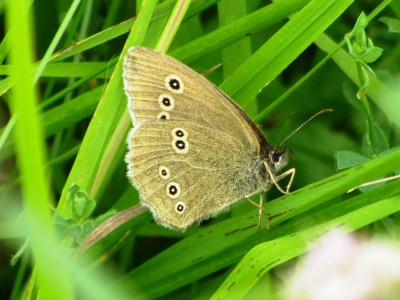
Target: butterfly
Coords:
[(193, 151)]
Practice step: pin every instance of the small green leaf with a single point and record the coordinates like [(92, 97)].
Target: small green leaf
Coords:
[(356, 49), (362, 48), (347, 159), (82, 206), (392, 24), (361, 38), (361, 22), (17, 256), (379, 145), (371, 54), (381, 141)]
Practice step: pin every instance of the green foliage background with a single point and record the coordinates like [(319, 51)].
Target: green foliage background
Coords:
[(64, 123)]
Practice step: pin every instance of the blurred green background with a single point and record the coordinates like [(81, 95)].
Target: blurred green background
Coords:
[(304, 66)]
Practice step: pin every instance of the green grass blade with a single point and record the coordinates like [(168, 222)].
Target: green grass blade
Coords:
[(235, 54), (282, 48), (141, 259), (31, 157), (61, 117), (268, 255), (114, 148), (172, 25), (110, 107), (211, 249), (46, 58), (234, 31)]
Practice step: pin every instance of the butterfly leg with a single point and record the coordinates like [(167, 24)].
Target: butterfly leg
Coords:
[(290, 172), (275, 179), (261, 210)]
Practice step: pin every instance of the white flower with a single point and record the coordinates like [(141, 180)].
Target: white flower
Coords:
[(344, 267)]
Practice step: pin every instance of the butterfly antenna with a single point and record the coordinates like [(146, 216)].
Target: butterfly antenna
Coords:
[(304, 123)]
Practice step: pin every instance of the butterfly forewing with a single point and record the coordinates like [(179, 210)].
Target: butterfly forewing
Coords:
[(146, 74)]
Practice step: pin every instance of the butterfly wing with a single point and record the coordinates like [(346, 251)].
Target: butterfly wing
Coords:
[(191, 153), (148, 75)]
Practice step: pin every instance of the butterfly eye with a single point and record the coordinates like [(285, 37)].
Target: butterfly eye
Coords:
[(279, 157), (174, 83), (276, 157)]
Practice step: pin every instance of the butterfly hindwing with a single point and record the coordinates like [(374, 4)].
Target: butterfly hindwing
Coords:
[(168, 164)]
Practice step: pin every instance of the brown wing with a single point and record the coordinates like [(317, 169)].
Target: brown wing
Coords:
[(145, 75), (192, 151), (212, 172)]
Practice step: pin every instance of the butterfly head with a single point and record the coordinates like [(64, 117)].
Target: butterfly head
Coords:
[(279, 157)]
